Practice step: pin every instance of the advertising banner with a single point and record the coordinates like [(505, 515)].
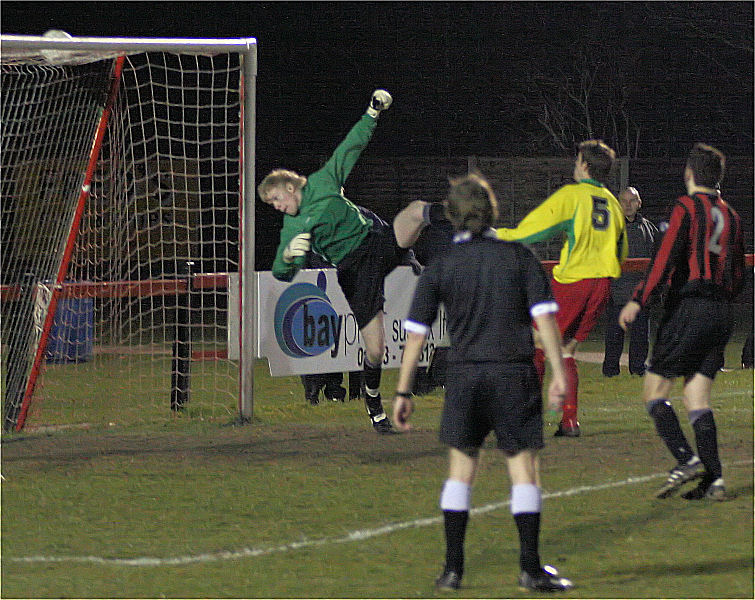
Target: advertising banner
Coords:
[(306, 326)]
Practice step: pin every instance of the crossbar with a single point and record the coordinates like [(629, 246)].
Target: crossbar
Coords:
[(9, 42)]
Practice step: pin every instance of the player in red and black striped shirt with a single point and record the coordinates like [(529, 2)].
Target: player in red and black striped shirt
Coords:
[(699, 267)]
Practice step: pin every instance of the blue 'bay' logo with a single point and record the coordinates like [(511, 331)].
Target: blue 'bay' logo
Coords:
[(305, 321)]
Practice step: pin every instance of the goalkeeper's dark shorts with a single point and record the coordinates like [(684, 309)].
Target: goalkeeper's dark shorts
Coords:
[(362, 273), (491, 396), (691, 338)]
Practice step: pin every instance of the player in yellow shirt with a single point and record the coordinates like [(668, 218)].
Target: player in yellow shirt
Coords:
[(591, 221)]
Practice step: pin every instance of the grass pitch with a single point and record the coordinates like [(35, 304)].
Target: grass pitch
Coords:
[(309, 502)]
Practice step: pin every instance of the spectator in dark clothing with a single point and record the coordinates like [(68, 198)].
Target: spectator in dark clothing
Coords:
[(434, 240), (328, 383), (641, 238), (747, 353)]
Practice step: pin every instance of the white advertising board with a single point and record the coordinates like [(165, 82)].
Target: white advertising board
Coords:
[(306, 326)]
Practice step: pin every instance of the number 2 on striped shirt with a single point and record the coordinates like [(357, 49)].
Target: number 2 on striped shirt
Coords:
[(718, 227)]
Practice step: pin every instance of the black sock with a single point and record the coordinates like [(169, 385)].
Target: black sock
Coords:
[(456, 529), (371, 378), (433, 213), (669, 430), (528, 524), (372, 374), (312, 385), (707, 443), (355, 384)]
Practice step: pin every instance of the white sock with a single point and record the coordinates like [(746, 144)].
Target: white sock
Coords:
[(456, 495), (525, 498)]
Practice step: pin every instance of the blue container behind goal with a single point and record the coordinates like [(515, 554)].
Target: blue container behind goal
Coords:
[(71, 338)]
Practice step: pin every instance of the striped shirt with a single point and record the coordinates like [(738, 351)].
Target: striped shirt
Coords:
[(702, 253)]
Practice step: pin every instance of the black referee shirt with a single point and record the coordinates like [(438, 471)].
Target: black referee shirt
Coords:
[(491, 289)]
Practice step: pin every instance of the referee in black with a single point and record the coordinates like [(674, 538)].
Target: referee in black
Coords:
[(491, 290)]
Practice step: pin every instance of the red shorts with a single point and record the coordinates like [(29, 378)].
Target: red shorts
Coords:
[(580, 304)]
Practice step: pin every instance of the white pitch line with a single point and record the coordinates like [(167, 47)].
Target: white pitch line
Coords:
[(358, 535), (641, 408)]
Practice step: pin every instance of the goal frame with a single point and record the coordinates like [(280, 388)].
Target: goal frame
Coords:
[(113, 47)]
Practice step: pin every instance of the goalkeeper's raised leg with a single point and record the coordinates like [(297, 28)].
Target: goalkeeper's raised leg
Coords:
[(318, 217)]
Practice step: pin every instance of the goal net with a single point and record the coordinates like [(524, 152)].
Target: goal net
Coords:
[(126, 165)]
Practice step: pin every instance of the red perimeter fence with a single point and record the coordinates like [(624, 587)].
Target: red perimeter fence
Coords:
[(204, 281)]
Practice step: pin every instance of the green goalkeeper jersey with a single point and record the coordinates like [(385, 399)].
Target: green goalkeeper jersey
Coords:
[(336, 225)]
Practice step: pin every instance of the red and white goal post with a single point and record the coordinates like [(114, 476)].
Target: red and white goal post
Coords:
[(127, 211)]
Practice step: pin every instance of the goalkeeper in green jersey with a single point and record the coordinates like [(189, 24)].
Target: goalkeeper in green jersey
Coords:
[(320, 219)]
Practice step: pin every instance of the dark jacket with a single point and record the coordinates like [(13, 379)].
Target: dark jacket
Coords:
[(641, 238)]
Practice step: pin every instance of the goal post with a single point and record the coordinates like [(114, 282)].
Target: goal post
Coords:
[(126, 159), (18, 412)]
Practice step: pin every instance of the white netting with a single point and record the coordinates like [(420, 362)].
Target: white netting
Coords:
[(142, 316), (53, 56)]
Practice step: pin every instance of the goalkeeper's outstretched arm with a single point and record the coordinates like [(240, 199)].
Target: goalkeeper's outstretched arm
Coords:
[(381, 100), (336, 170)]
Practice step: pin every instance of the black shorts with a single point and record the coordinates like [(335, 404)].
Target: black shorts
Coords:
[(485, 397), (362, 273), (691, 338)]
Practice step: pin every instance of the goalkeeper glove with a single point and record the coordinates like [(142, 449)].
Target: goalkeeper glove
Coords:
[(298, 246), (380, 101)]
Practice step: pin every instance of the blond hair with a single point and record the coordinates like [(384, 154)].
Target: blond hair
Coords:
[(280, 177)]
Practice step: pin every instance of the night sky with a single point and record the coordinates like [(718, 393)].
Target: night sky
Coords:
[(467, 78)]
